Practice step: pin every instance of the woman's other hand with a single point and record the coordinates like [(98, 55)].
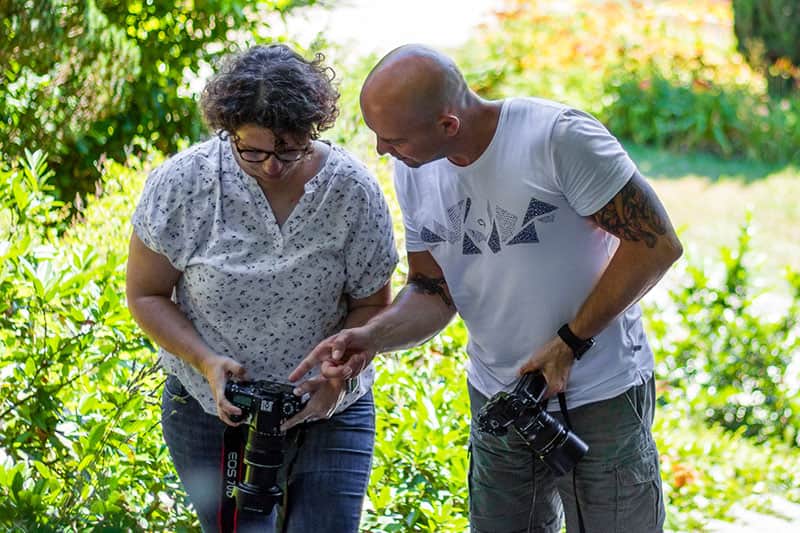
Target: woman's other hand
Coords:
[(217, 371)]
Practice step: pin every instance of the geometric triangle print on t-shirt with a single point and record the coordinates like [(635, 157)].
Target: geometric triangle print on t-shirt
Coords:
[(428, 236), (494, 239), (527, 235), (537, 208), (468, 247), (505, 222)]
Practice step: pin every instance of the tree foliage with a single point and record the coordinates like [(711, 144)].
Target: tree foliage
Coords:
[(92, 77), (769, 36)]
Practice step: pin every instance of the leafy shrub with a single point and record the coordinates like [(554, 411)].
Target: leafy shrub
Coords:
[(97, 77), (79, 444), (707, 471), (419, 475), (663, 73), (768, 35), (650, 106), (736, 366), (64, 69)]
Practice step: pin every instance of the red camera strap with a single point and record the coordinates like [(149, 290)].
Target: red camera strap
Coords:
[(231, 464)]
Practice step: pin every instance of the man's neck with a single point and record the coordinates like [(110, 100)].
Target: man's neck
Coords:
[(479, 124)]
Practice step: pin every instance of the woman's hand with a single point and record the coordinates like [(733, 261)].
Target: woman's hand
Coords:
[(326, 395), (217, 371)]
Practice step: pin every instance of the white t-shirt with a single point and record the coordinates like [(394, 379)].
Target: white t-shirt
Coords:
[(512, 235), (261, 293)]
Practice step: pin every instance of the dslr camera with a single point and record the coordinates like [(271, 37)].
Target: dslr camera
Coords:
[(267, 405), (524, 409)]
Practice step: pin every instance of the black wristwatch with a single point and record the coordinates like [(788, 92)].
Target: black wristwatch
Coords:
[(577, 345)]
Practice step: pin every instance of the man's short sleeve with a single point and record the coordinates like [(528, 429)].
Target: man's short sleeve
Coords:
[(590, 164), (171, 217), (403, 188), (370, 254)]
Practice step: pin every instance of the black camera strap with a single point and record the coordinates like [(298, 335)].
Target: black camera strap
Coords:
[(562, 403), (231, 464)]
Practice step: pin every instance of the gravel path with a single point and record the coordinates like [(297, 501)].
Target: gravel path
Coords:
[(786, 519)]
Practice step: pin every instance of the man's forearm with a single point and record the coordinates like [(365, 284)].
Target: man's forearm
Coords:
[(647, 248), (414, 317), (629, 276), (361, 315)]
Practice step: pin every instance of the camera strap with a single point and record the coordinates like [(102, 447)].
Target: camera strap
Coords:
[(231, 464), (562, 403)]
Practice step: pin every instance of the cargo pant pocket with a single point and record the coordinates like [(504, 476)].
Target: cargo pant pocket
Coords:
[(640, 508)]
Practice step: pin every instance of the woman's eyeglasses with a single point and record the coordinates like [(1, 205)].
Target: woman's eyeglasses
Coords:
[(291, 155)]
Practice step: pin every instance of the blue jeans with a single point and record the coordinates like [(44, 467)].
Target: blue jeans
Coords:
[(327, 477), (618, 482)]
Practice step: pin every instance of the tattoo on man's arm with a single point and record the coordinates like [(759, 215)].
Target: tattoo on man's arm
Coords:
[(633, 215), (424, 284)]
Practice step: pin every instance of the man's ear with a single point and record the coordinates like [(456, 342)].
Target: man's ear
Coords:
[(450, 125)]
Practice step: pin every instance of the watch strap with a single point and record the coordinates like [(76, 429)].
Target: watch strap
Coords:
[(576, 344)]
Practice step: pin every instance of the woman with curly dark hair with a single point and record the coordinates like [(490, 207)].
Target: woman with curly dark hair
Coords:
[(249, 249)]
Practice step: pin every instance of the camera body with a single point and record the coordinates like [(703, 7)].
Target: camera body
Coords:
[(267, 405), (524, 410)]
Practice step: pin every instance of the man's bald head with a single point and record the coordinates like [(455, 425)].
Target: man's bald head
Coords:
[(415, 80)]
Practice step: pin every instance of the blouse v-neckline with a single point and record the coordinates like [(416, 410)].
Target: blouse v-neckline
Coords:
[(294, 219)]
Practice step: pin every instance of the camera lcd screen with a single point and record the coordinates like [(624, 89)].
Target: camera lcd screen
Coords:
[(241, 399)]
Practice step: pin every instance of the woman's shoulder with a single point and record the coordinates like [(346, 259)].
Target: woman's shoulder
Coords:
[(190, 170), (351, 172)]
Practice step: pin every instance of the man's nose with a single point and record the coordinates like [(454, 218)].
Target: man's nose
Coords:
[(381, 147)]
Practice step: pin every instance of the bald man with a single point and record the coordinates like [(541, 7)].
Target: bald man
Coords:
[(528, 219)]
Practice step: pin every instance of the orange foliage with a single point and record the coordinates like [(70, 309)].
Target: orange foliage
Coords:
[(683, 475), (590, 37)]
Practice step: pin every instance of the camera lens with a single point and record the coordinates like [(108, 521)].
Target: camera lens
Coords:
[(255, 499), (566, 453), (559, 448), (263, 456)]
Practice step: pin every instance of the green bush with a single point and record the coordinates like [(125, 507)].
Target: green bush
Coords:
[(79, 442), (419, 475), (706, 471), (768, 33), (697, 114), (650, 109), (65, 67), (661, 73), (736, 366), (90, 77)]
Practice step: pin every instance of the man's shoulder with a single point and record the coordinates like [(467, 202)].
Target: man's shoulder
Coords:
[(534, 116), (534, 104)]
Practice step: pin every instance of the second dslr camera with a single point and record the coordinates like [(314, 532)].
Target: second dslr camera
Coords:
[(523, 409)]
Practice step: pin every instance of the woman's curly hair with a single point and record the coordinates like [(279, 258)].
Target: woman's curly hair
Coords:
[(272, 87)]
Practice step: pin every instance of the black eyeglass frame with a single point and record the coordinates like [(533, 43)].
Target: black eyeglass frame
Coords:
[(259, 156)]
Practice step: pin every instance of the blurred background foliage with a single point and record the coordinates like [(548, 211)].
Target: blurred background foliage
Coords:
[(85, 78), (95, 94), (660, 73)]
